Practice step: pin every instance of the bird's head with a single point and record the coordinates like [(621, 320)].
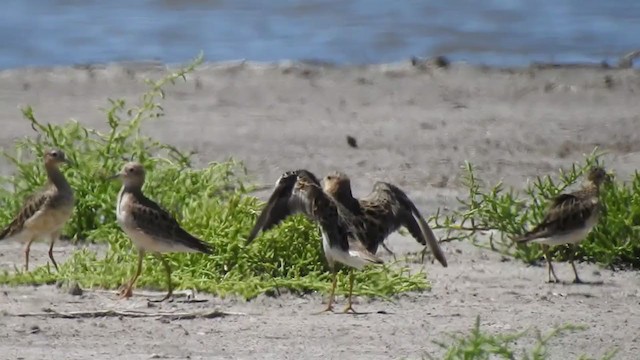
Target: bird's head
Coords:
[(55, 157), (132, 174), (597, 176), (337, 183)]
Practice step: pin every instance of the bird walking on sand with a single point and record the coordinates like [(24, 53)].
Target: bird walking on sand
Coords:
[(151, 228), (342, 234), (44, 213), (383, 211), (568, 220)]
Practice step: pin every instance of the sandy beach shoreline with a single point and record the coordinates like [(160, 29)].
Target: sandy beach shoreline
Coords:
[(415, 126)]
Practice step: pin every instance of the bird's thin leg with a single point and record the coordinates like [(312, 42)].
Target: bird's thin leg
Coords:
[(575, 271), (127, 292), (423, 254), (349, 308), (384, 246), (550, 270), (167, 268), (332, 292), (55, 236), (27, 249)]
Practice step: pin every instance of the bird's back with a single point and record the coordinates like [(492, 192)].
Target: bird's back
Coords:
[(379, 213), (569, 217), (43, 212), (152, 228)]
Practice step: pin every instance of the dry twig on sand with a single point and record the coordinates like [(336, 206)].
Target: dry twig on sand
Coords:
[(50, 313)]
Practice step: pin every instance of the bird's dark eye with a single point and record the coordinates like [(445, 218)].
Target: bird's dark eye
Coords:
[(54, 154), (130, 170)]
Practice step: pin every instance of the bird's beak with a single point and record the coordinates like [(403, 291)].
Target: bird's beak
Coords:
[(113, 177), (69, 162), (609, 178)]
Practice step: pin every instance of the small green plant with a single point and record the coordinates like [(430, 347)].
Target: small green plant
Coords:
[(480, 345), (504, 213), (213, 203)]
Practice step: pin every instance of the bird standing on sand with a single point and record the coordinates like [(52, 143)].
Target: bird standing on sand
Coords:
[(300, 192), (569, 219), (44, 213), (150, 227), (383, 211)]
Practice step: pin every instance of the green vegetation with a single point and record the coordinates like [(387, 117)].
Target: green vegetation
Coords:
[(504, 213), (480, 345), (213, 203)]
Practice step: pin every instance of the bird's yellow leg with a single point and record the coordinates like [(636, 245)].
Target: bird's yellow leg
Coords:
[(550, 270), (349, 308), (127, 292), (167, 268), (331, 293)]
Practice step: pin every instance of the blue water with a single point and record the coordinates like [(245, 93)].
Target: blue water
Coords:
[(497, 32)]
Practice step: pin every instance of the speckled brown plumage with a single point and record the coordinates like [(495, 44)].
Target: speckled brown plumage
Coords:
[(150, 227), (342, 233), (569, 218), (44, 213), (382, 212)]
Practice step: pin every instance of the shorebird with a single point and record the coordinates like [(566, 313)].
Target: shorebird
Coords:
[(300, 192), (568, 220), (44, 213), (151, 228), (383, 211)]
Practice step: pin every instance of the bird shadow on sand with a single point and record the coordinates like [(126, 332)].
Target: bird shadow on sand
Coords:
[(358, 313), (581, 283), (176, 301)]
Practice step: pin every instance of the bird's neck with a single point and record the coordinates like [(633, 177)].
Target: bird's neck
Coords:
[(129, 193), (591, 188), (134, 189), (344, 196), (56, 177)]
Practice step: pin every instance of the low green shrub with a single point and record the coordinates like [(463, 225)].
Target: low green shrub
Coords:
[(213, 203), (504, 213)]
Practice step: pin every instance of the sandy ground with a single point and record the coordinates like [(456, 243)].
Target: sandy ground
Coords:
[(414, 128)]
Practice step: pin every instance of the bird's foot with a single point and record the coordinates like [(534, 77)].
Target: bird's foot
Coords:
[(349, 309), (125, 291), (329, 308), (168, 297)]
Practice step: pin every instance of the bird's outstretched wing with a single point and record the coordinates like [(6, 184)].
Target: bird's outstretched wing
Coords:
[(404, 212), (292, 195), (565, 213)]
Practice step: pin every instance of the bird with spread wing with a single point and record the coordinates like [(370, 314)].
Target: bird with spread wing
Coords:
[(383, 211), (342, 233)]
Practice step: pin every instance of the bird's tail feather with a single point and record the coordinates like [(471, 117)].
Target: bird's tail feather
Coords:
[(530, 235)]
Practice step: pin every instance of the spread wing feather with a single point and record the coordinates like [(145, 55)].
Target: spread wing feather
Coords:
[(300, 192), (286, 200), (408, 215)]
